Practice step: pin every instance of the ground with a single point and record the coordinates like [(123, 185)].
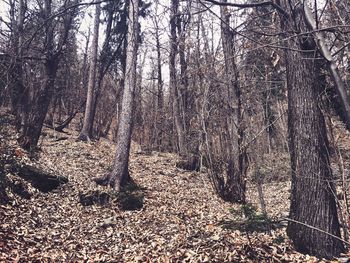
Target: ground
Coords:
[(181, 219)]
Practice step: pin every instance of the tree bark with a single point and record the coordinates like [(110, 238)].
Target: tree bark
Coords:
[(53, 46), (86, 132), (313, 192), (18, 91), (160, 96), (120, 175), (32, 128), (237, 164), (105, 58), (174, 91), (340, 85)]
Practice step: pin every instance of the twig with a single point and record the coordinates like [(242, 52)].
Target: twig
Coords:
[(315, 228)]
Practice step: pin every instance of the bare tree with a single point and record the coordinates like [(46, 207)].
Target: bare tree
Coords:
[(120, 174), (160, 95), (18, 95), (86, 132), (52, 47), (174, 89), (237, 164), (340, 86), (314, 226)]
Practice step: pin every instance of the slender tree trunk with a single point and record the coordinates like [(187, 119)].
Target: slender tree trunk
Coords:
[(313, 207), (173, 82), (86, 132), (183, 83), (160, 96), (101, 67), (85, 66), (120, 175), (237, 164), (18, 91)]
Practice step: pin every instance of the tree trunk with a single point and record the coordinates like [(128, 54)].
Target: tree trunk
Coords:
[(120, 175), (237, 163), (183, 83), (85, 67), (86, 132), (37, 110), (18, 91), (105, 60), (313, 192), (340, 86), (39, 106), (160, 96), (32, 128), (173, 82)]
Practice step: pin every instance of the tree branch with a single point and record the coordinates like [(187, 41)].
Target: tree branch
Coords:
[(340, 85), (250, 5)]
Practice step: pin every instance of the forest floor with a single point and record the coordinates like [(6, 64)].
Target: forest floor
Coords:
[(180, 219)]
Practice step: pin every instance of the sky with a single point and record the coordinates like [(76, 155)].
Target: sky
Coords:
[(147, 28)]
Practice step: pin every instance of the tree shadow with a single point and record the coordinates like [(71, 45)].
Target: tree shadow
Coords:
[(248, 220), (130, 197)]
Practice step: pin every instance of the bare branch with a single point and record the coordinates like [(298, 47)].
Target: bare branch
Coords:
[(250, 5)]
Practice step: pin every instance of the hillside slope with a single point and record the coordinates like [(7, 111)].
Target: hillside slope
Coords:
[(180, 218)]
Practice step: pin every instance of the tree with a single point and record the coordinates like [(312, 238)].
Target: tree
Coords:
[(174, 89), (160, 96), (340, 86), (112, 48), (119, 175), (18, 91), (237, 164), (86, 132), (315, 225), (51, 44)]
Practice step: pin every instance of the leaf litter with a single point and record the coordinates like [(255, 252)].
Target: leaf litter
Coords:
[(180, 220)]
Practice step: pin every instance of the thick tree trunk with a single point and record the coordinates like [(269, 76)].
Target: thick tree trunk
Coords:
[(86, 132), (313, 191), (120, 175), (237, 163), (313, 207)]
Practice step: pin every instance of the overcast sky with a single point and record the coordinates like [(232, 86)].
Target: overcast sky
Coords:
[(147, 28)]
